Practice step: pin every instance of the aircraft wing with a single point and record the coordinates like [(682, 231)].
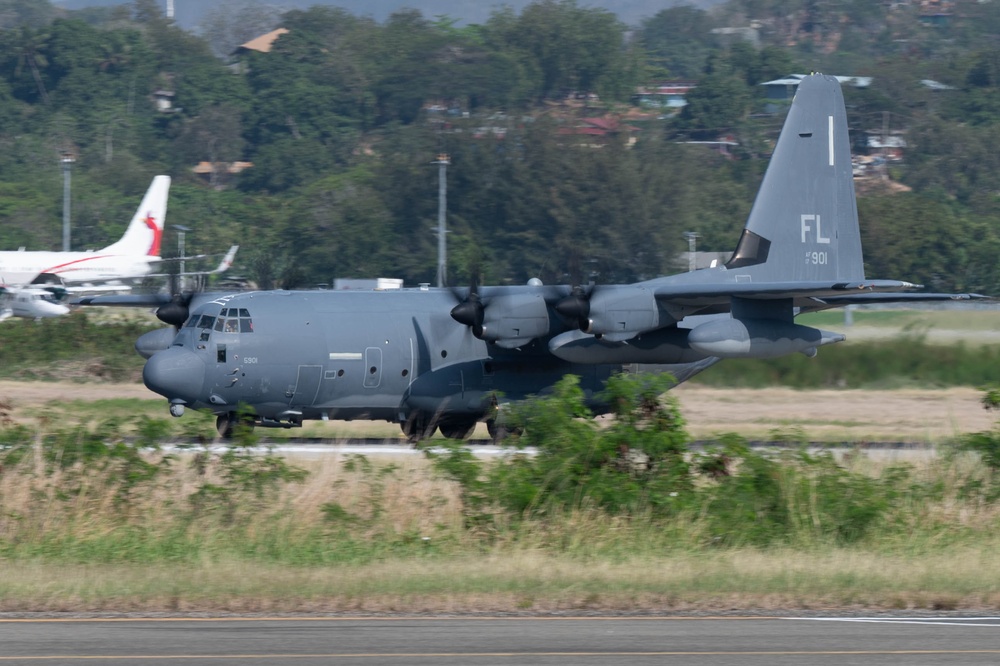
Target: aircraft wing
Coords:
[(866, 299), (704, 295), (223, 266), (125, 300)]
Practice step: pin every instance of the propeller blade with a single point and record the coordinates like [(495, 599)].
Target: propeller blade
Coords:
[(471, 312), (576, 307), (176, 312)]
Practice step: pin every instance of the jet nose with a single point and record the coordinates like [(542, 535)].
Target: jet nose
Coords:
[(176, 374)]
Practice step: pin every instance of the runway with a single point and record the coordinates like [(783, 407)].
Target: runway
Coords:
[(488, 641)]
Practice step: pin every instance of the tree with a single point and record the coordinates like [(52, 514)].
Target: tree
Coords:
[(214, 136), (677, 41), (720, 102), (32, 14), (565, 48)]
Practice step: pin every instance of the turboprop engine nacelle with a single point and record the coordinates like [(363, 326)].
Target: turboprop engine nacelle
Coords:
[(618, 312), (758, 338), (515, 320)]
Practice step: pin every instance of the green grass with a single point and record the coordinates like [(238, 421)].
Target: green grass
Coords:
[(908, 320), (904, 362), (522, 581)]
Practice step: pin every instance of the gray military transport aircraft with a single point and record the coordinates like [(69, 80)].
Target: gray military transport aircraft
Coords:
[(439, 358)]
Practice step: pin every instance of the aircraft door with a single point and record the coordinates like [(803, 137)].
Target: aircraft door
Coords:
[(373, 367), (306, 385)]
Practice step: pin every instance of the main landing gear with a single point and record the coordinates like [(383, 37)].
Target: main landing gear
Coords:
[(419, 426)]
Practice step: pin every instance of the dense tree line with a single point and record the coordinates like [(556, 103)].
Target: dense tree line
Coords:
[(344, 116)]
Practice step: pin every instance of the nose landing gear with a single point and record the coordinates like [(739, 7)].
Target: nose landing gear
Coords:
[(227, 423)]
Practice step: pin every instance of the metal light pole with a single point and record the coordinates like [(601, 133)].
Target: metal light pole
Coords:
[(181, 230), (67, 165), (692, 238), (442, 162)]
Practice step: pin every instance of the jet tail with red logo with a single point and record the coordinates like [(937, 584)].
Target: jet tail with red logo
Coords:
[(145, 232)]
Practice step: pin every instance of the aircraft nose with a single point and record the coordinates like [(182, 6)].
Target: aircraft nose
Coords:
[(175, 373)]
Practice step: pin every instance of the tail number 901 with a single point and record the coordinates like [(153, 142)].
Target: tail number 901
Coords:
[(816, 258)]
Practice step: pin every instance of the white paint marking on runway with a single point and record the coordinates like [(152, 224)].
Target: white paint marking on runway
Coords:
[(937, 621)]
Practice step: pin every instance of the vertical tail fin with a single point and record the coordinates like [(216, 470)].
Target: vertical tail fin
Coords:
[(145, 231), (804, 223)]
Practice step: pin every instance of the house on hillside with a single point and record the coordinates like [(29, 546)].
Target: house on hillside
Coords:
[(784, 88), (668, 95), (261, 44), (602, 129), (217, 174)]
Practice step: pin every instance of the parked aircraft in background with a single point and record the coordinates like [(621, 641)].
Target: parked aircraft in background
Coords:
[(31, 303), (224, 265), (441, 358), (133, 256)]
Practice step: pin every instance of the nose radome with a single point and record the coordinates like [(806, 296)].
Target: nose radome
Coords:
[(175, 373)]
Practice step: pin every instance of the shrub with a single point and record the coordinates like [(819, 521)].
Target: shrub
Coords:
[(636, 464)]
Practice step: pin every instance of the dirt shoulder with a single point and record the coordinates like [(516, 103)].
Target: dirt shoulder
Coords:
[(906, 415)]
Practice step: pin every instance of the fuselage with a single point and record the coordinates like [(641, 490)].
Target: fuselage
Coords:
[(350, 355), (21, 267), (33, 304)]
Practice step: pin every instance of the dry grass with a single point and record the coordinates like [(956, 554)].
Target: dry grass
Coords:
[(546, 568), (904, 415), (522, 581), (582, 564)]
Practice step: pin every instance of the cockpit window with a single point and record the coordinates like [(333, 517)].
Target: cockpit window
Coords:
[(200, 321), (231, 320)]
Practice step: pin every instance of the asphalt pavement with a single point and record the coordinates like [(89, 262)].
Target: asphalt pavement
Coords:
[(502, 641)]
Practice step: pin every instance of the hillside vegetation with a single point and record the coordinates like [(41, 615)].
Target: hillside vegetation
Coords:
[(342, 118)]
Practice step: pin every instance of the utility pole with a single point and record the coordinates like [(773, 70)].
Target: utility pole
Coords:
[(67, 160), (692, 238), (181, 230), (442, 162)]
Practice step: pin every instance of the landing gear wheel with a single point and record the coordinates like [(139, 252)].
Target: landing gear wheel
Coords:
[(499, 432), (417, 427), (226, 424), (457, 429)]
